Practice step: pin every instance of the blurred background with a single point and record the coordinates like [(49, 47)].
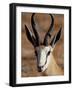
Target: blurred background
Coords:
[(43, 21)]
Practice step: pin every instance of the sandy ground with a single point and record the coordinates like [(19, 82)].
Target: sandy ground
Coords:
[(28, 61)]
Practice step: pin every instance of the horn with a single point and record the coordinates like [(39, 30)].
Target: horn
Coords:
[(56, 37), (34, 29), (49, 31), (30, 36)]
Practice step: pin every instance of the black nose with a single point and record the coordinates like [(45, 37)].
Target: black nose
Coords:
[(39, 69)]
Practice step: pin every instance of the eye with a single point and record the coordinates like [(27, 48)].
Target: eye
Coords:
[(48, 53)]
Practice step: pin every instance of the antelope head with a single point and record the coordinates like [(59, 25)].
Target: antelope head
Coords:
[(42, 50)]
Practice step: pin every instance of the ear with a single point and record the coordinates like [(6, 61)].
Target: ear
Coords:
[(56, 38), (30, 36)]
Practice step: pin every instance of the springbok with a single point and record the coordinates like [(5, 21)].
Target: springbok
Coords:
[(46, 64)]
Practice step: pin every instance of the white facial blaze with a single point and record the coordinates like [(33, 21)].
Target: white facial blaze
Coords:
[(44, 59), (46, 65)]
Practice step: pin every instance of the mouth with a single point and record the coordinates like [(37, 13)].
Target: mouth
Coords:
[(41, 69)]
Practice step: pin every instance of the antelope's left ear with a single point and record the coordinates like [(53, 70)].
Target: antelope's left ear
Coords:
[(56, 38)]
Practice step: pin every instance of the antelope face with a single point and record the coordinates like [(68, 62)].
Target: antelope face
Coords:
[(42, 51), (43, 57)]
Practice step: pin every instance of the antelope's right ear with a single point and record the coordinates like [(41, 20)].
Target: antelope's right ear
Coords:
[(30, 36), (56, 38)]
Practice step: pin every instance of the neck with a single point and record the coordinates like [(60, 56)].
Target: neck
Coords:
[(53, 68)]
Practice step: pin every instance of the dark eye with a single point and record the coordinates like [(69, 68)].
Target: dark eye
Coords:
[(48, 53)]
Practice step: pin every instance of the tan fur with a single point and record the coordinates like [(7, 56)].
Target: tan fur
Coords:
[(53, 68), (41, 46)]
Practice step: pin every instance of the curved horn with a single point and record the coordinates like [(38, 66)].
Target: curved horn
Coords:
[(49, 31), (56, 37), (34, 29), (30, 36)]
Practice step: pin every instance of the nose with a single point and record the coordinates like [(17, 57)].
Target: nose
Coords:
[(39, 69)]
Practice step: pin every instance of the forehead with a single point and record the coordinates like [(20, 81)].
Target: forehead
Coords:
[(43, 48)]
